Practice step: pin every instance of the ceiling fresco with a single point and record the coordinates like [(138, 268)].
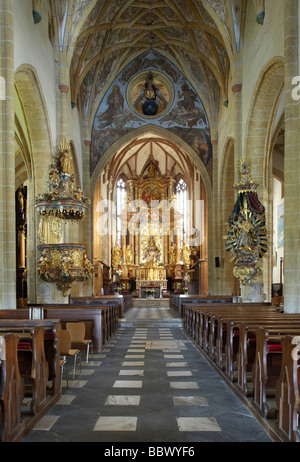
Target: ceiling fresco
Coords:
[(117, 31), (194, 43), (186, 117)]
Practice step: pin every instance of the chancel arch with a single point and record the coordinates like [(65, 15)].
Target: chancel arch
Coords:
[(150, 164)]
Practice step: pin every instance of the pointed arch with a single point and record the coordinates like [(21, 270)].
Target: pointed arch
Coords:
[(33, 135), (263, 113), (163, 133)]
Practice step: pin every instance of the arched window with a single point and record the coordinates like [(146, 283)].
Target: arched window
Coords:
[(181, 194), (121, 202)]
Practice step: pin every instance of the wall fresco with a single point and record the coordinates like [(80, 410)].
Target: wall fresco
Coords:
[(186, 117)]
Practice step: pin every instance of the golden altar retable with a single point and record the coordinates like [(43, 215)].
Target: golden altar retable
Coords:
[(146, 251)]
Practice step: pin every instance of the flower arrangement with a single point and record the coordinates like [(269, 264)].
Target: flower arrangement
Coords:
[(185, 290), (149, 291), (118, 290)]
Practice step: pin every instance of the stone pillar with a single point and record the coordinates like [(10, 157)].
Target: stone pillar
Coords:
[(7, 160), (214, 237), (63, 95), (237, 124), (87, 225), (291, 162)]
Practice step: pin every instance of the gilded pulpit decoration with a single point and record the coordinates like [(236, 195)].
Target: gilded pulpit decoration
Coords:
[(62, 263), (65, 199), (247, 233)]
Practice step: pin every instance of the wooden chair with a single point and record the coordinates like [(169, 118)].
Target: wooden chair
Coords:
[(77, 331), (67, 351), (63, 365)]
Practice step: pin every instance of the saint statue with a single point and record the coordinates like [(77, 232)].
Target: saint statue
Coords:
[(129, 256), (116, 256), (65, 161), (185, 255), (152, 252), (172, 255)]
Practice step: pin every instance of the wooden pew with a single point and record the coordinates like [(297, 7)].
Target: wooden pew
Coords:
[(34, 368), (223, 347), (265, 364), (102, 300), (247, 350), (41, 339), (105, 320), (38, 362), (288, 390), (100, 319), (11, 390), (199, 320), (254, 321), (177, 301)]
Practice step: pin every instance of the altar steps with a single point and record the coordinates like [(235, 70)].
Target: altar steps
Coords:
[(151, 303), (151, 323)]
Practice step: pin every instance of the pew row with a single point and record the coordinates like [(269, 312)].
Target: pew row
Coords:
[(11, 390), (30, 374), (178, 300), (248, 348), (101, 321), (124, 302), (196, 318)]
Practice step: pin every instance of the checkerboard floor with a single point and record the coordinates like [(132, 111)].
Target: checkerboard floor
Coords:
[(149, 384)]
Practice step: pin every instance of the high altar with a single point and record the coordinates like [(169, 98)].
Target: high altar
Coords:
[(151, 249)]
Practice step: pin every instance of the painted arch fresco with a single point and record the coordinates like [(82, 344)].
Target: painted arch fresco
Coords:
[(184, 116)]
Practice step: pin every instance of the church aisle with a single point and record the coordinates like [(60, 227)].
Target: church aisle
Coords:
[(150, 384)]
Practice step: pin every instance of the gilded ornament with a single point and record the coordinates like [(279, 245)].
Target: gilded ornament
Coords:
[(64, 200), (64, 264), (246, 238)]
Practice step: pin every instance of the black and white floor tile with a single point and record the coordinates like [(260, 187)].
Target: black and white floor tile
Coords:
[(150, 384)]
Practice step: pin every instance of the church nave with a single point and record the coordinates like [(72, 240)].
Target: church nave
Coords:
[(150, 384)]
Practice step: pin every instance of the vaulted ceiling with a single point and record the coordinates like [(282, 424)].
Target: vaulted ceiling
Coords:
[(103, 36)]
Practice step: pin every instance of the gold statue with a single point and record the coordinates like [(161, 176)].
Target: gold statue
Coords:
[(185, 255), (116, 257), (152, 252), (172, 254), (129, 256)]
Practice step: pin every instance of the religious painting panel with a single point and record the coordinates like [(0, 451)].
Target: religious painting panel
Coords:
[(184, 114)]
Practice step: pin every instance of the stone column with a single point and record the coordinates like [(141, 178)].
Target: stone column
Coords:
[(7, 160), (63, 95), (214, 237), (237, 124), (291, 162), (87, 225)]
